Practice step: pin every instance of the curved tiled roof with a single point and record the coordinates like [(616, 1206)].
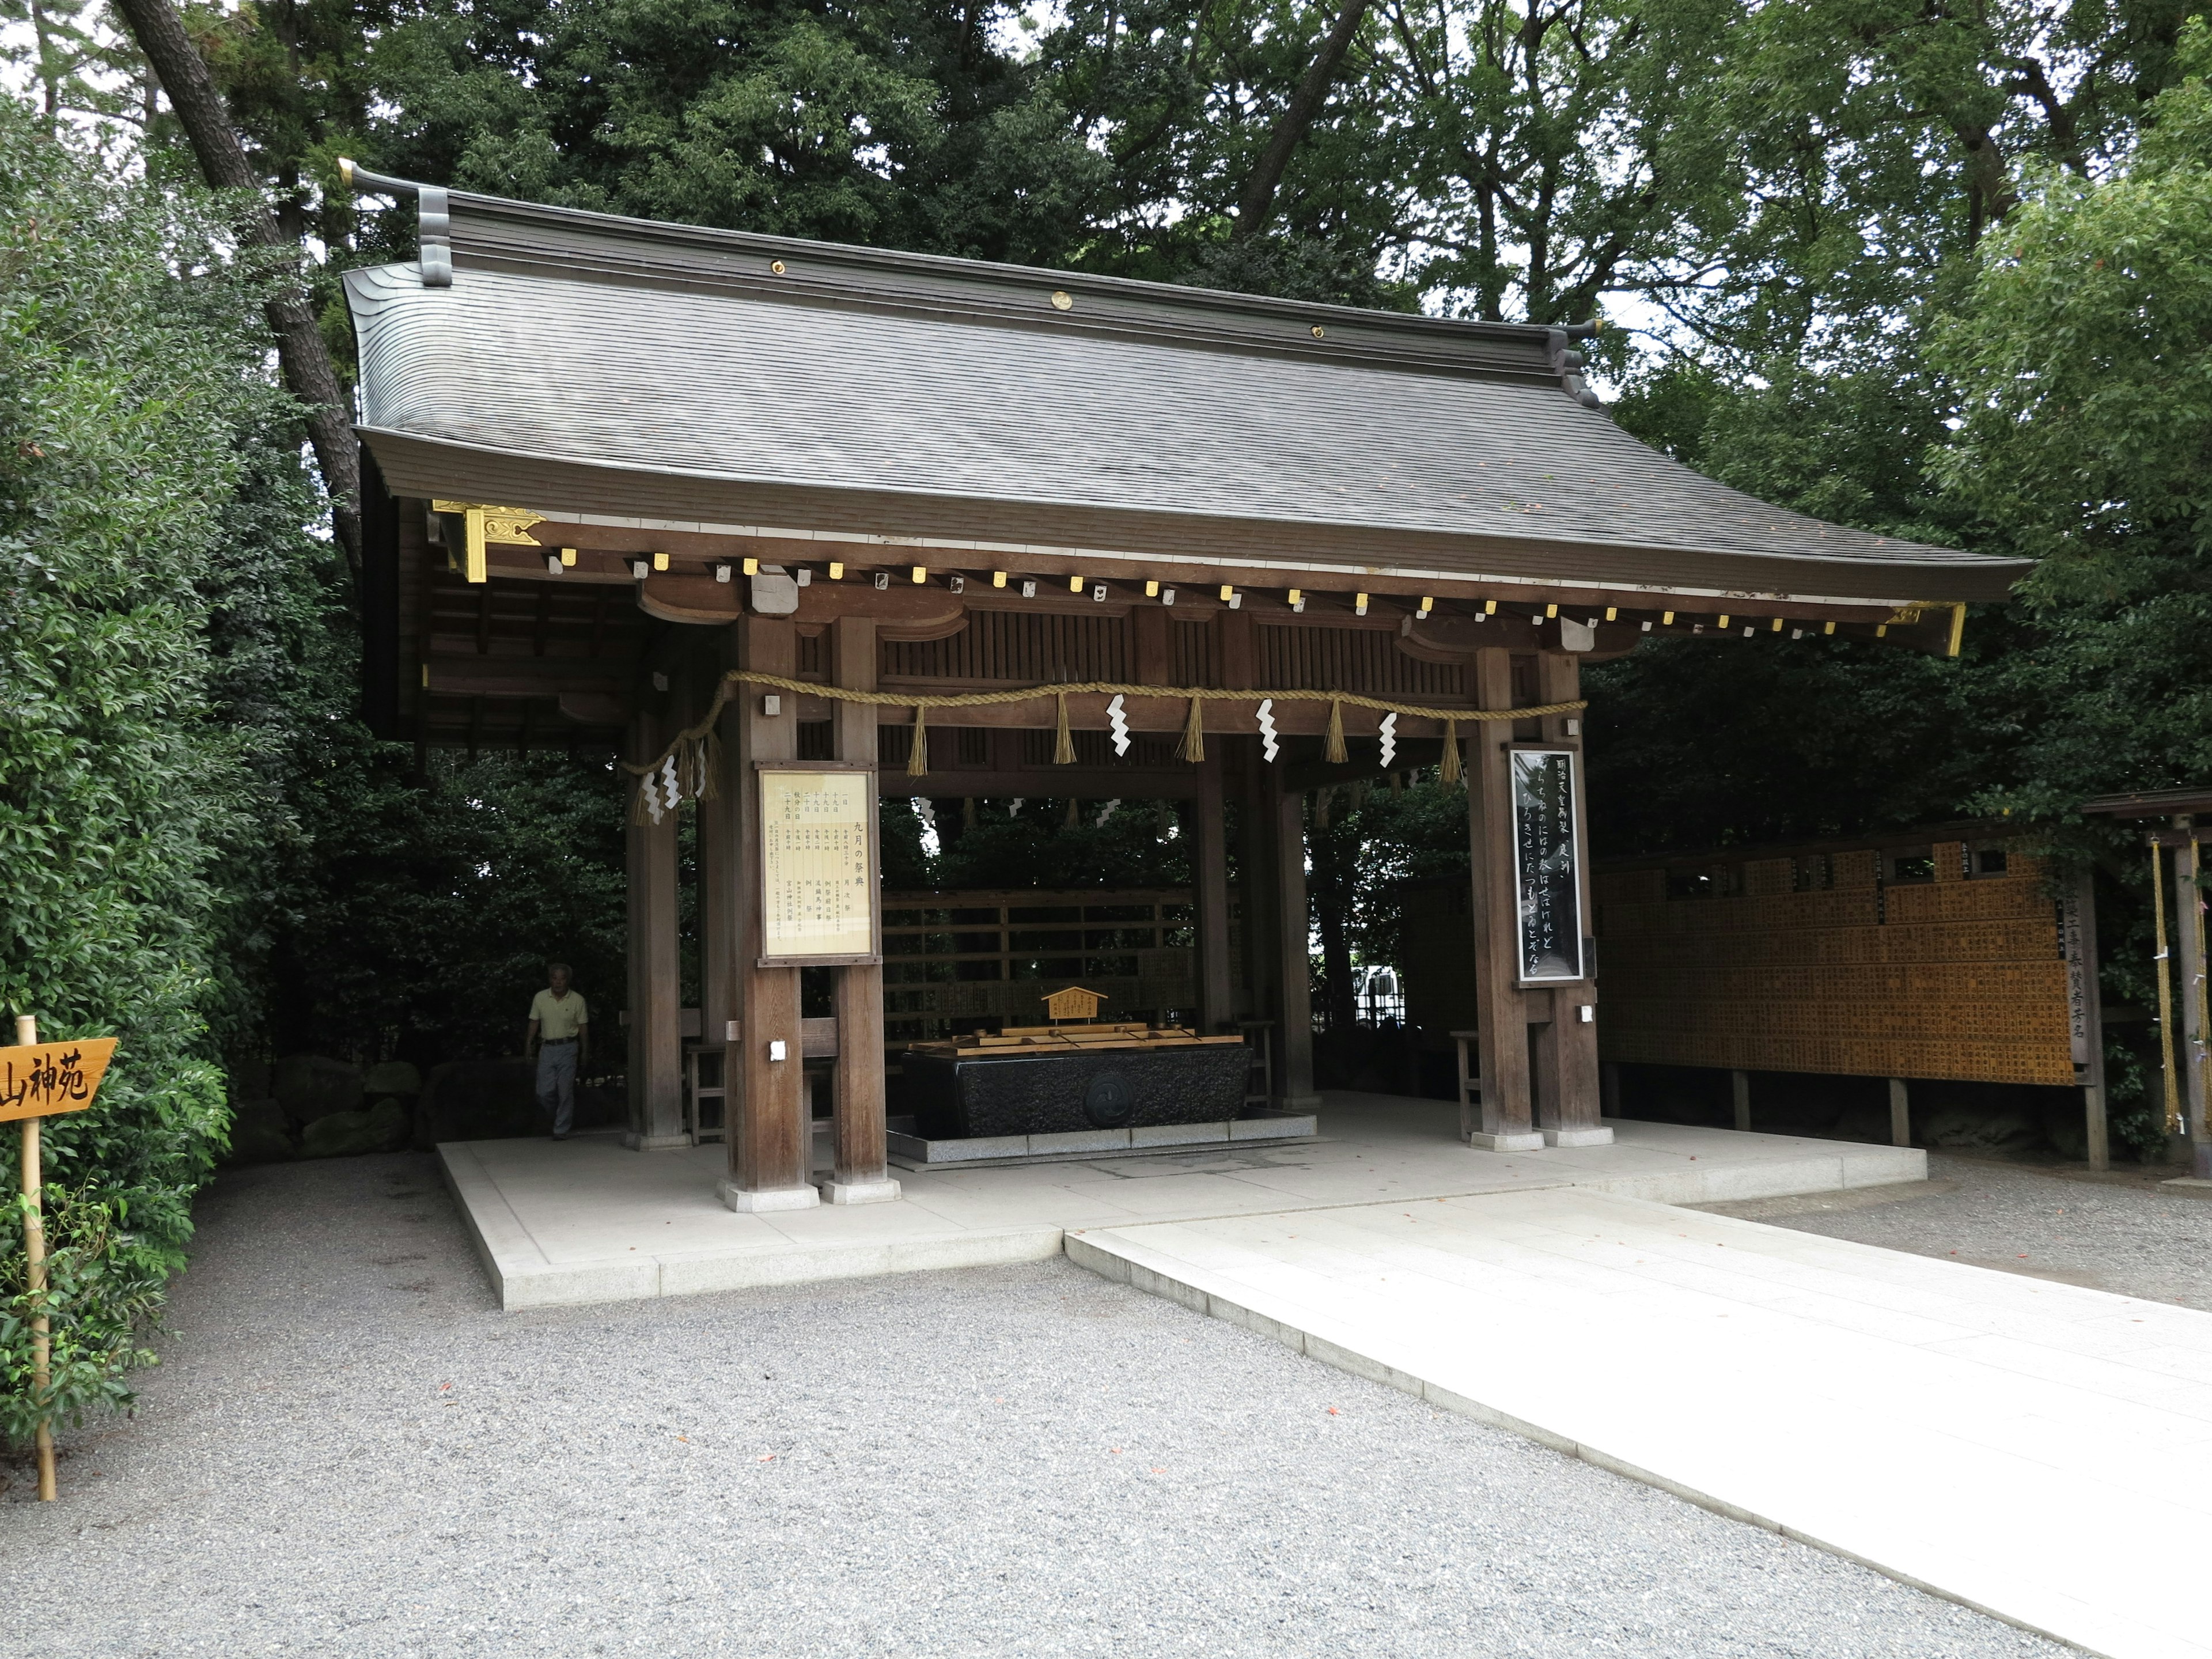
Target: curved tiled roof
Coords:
[(583, 363)]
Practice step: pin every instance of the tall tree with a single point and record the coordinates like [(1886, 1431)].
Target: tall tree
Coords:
[(183, 75)]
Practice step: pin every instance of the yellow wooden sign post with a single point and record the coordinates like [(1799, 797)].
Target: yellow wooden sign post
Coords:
[(37, 1081)]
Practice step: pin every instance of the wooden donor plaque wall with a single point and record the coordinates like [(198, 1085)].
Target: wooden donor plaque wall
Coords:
[(818, 859), (1944, 960)]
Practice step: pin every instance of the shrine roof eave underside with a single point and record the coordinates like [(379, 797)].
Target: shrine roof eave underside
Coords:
[(607, 371)]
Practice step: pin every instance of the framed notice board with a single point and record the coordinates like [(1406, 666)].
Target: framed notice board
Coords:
[(1547, 865), (819, 905)]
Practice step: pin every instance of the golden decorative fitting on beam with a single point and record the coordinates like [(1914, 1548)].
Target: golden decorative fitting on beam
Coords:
[(481, 524)]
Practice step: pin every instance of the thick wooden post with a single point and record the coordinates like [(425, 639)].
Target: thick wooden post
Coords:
[(1570, 1104), (771, 1139), (860, 1174), (2190, 1053), (2084, 1000), (1740, 1096), (1504, 1122), (1255, 861), (720, 861), (1283, 824), (1901, 1113), (1217, 989), (656, 1014)]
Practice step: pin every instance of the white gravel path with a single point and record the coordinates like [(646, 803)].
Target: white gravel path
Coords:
[(350, 1452), (2119, 1233)]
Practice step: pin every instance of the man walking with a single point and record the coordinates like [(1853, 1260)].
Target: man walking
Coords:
[(560, 1040)]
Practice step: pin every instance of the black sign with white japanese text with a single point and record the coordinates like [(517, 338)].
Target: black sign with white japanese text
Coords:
[(1547, 880)]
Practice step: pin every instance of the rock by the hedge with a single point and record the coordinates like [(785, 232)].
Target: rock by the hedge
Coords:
[(312, 1087), (392, 1077), (478, 1100), (259, 1133), (384, 1128)]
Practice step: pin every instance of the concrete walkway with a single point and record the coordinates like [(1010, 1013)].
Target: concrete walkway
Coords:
[(587, 1221), (2038, 1450)]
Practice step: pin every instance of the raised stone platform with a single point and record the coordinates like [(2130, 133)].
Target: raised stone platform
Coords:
[(911, 1152), (584, 1220)]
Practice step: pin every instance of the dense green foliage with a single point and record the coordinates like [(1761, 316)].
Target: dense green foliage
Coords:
[(132, 403)]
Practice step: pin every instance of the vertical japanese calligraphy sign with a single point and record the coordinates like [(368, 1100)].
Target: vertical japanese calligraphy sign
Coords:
[(1547, 865), (819, 904), (48, 1078)]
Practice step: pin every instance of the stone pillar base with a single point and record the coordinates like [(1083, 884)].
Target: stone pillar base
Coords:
[(766, 1197), (638, 1143), (858, 1192), (1514, 1143), (1578, 1137)]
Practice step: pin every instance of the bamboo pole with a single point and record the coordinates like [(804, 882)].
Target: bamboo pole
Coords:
[(34, 1272), (2164, 962), (2203, 1058)]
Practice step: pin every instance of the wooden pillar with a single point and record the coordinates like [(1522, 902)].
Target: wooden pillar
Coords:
[(1570, 1108), (2078, 928), (1900, 1113), (1503, 1122), (2189, 1048), (1217, 990), (720, 867), (770, 1137), (860, 1173), (1739, 1094), (1284, 824), (1255, 861), (1538, 1071), (656, 1015)]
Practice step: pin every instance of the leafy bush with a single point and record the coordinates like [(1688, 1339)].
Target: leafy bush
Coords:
[(133, 394)]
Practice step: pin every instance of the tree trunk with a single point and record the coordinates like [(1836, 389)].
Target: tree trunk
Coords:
[(305, 362), (1257, 204)]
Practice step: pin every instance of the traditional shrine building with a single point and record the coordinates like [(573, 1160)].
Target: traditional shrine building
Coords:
[(751, 510)]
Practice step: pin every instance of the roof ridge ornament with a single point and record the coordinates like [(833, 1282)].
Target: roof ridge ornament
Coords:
[(433, 226)]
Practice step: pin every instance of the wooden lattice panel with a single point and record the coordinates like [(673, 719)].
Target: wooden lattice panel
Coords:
[(1017, 647), (1825, 961), (1351, 660)]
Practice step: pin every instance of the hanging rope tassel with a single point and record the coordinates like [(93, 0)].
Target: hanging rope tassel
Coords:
[(1192, 746), (1063, 742), (639, 812), (1321, 800), (917, 748), (1449, 772), (1334, 754)]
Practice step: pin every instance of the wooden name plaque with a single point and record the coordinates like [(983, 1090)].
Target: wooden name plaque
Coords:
[(819, 904)]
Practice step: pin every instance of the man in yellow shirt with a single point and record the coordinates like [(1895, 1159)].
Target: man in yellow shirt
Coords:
[(559, 1041)]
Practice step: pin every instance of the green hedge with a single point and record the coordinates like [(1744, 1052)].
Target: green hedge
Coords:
[(135, 405)]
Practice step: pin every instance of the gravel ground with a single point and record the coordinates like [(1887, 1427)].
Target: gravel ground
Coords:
[(350, 1452), (2118, 1232)]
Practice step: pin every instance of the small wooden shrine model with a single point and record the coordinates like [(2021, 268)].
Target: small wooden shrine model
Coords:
[(738, 508)]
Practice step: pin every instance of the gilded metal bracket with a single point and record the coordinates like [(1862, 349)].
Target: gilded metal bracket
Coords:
[(482, 525)]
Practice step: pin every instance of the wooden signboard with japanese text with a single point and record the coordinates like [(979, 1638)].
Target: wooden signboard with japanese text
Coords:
[(49, 1079), (1547, 865), (819, 862)]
